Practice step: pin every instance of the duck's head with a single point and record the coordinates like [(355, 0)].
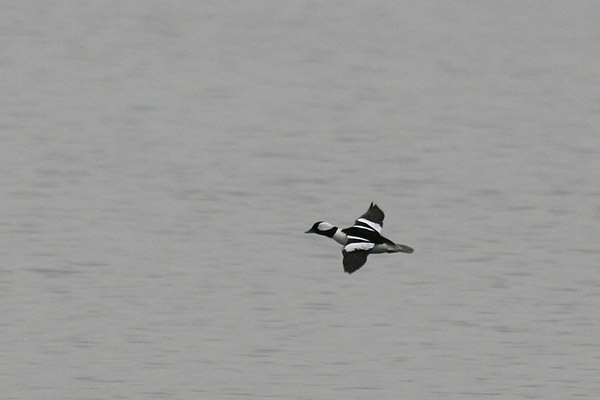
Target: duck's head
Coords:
[(322, 228)]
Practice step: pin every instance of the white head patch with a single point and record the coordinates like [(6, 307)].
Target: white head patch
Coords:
[(325, 226)]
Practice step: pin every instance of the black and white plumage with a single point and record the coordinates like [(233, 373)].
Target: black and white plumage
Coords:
[(361, 239)]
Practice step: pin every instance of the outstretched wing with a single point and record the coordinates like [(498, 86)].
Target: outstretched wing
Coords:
[(362, 238), (373, 218), (354, 260), (355, 254)]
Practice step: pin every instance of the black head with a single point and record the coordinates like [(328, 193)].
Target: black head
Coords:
[(322, 228), (314, 228)]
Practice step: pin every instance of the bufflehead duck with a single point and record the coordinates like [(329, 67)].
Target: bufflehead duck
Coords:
[(361, 239)]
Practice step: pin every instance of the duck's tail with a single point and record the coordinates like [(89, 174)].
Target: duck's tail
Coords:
[(395, 248)]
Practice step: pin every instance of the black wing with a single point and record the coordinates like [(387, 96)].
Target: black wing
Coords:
[(369, 234), (373, 214), (354, 260)]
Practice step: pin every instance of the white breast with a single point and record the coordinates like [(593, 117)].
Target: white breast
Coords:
[(340, 237)]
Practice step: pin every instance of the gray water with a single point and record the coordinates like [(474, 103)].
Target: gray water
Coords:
[(161, 161)]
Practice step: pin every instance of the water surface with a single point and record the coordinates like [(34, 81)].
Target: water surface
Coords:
[(161, 161)]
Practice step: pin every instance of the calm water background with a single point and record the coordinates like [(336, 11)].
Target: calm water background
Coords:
[(160, 161)]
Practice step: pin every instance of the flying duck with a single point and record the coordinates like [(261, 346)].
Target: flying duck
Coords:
[(361, 239)]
